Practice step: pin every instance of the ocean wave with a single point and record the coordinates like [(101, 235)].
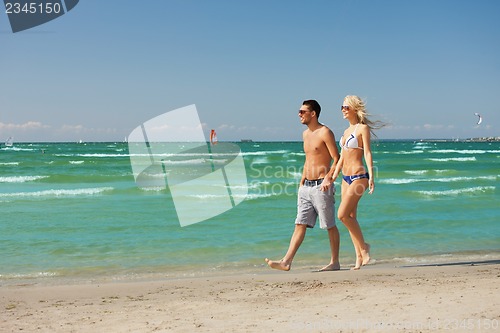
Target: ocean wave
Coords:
[(422, 145), (453, 159), (394, 181), (265, 152), (157, 155), (442, 170), (153, 189), (57, 193), (416, 172), (9, 163), (97, 155), (447, 258), (17, 149), (76, 162), (257, 183), (249, 196), (195, 161), (469, 190), (28, 275), (21, 179), (404, 152), (451, 151), (261, 160), (423, 172)]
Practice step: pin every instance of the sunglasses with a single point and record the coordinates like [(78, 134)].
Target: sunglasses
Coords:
[(304, 111), (345, 107)]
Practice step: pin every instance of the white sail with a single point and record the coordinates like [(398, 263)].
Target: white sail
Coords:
[(213, 137), (9, 142)]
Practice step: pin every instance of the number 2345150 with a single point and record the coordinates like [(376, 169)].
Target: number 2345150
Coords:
[(32, 8)]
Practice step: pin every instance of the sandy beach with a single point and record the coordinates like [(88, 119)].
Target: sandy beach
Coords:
[(451, 297)]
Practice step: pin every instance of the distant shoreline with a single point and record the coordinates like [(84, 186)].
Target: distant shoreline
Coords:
[(483, 139), (479, 139)]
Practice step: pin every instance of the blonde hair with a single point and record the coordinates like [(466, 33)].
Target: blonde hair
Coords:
[(360, 107)]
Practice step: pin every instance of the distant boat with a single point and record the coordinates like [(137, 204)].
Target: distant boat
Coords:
[(213, 137), (9, 142)]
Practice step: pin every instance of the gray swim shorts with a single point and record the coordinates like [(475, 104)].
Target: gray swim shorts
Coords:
[(313, 203)]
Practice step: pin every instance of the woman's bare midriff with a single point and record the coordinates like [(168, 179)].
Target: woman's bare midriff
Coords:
[(353, 162)]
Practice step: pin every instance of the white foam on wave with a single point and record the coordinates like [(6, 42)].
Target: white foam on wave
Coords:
[(265, 152), (249, 196), (295, 175), (405, 152), (9, 163), (57, 193), (470, 190), (153, 188), (97, 155), (453, 159), (28, 276), (456, 151), (17, 149), (416, 172), (442, 170), (422, 145), (76, 162), (397, 181), (394, 181), (186, 162), (260, 160), (21, 179)]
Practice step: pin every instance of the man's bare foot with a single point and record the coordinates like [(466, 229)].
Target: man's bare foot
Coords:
[(366, 255), (330, 267), (278, 265)]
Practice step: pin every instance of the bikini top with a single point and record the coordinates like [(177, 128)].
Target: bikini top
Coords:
[(352, 141)]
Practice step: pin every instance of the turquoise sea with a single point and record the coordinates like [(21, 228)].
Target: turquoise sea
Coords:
[(73, 211)]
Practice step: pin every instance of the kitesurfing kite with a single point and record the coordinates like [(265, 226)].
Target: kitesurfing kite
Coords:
[(480, 119)]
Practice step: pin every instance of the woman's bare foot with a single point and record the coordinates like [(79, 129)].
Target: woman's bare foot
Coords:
[(330, 267), (366, 254), (359, 263), (278, 265)]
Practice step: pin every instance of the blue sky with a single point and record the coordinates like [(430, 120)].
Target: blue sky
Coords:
[(105, 67)]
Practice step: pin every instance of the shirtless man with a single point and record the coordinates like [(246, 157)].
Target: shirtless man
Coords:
[(316, 192)]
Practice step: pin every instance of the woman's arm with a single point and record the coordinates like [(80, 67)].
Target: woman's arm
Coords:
[(366, 137)]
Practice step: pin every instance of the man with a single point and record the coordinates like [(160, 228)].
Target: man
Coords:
[(316, 192)]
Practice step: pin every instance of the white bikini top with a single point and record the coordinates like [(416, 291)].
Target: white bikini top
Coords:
[(352, 141)]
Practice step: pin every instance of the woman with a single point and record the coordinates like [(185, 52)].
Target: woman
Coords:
[(355, 144)]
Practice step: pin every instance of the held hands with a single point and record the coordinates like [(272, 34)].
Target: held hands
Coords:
[(326, 184)]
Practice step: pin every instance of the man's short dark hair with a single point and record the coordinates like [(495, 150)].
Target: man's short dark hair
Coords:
[(313, 105)]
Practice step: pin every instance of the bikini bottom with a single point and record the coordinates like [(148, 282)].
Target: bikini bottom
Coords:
[(350, 179)]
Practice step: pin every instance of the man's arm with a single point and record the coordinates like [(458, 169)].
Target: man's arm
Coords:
[(331, 145), (302, 180)]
